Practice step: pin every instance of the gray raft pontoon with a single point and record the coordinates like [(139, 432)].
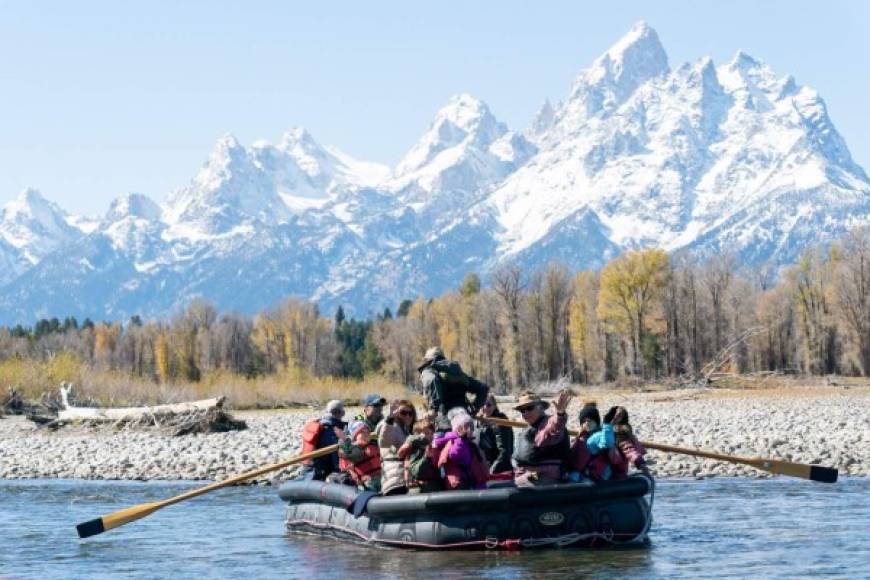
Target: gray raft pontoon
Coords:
[(582, 514)]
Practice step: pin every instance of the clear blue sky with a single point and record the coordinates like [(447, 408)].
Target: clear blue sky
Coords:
[(102, 98)]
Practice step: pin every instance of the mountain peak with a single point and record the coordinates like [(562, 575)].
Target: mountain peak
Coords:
[(634, 59), (32, 204), (134, 205), (638, 52), (30, 195), (463, 111), (463, 120), (35, 225), (297, 136), (544, 119), (744, 60), (641, 35)]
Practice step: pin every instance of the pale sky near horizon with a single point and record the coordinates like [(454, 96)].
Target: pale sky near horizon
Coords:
[(98, 99)]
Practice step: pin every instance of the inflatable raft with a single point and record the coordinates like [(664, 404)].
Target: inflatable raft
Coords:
[(505, 517)]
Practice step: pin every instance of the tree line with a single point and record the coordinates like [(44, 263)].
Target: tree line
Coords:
[(644, 315)]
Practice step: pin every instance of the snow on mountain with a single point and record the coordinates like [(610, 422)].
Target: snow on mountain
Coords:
[(305, 174), (698, 157), (465, 150), (227, 196), (31, 227), (664, 157)]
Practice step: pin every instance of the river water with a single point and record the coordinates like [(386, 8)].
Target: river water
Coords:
[(718, 527)]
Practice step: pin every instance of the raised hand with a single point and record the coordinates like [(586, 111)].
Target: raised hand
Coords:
[(562, 400)]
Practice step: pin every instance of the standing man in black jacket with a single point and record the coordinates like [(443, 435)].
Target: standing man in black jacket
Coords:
[(445, 386)]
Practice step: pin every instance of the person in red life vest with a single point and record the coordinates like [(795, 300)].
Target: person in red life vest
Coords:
[(462, 461), (544, 445), (421, 459), (320, 433), (592, 448), (629, 450), (360, 457), (373, 411)]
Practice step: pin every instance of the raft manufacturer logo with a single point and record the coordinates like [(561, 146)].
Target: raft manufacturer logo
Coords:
[(551, 518)]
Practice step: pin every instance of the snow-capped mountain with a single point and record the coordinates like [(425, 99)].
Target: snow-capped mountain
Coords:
[(667, 157), (31, 227), (699, 157)]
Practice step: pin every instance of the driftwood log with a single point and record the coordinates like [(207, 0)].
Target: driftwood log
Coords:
[(71, 413), (204, 416)]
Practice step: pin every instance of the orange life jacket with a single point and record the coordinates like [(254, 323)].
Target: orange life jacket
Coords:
[(363, 470), (310, 438)]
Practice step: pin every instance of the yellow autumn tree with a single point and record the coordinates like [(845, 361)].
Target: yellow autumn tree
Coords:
[(630, 289), (161, 357), (582, 321), (105, 339)]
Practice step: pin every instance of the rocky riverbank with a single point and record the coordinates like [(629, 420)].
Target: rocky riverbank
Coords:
[(825, 425)]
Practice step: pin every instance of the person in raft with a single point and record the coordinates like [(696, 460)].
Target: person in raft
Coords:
[(360, 457), (373, 413), (320, 433), (445, 386), (462, 461), (496, 441), (544, 445), (421, 459), (392, 433), (628, 449), (593, 449)]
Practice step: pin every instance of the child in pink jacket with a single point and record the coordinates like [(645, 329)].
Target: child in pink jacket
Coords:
[(463, 463)]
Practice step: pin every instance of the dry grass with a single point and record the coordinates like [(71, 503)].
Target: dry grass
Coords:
[(294, 387), (111, 389)]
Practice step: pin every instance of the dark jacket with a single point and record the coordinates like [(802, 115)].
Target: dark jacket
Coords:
[(544, 447), (443, 394), (497, 443), (327, 464)]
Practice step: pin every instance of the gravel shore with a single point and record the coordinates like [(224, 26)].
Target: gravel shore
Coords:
[(825, 425)]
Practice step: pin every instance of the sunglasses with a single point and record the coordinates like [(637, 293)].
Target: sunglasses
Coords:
[(405, 413), (525, 409)]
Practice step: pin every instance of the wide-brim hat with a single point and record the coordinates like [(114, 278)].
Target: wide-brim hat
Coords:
[(528, 399)]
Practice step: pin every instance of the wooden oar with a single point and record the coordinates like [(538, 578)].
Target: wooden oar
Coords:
[(775, 466), (131, 514)]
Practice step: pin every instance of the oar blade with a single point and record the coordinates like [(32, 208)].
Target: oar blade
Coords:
[(116, 519), (91, 528), (802, 470), (823, 474)]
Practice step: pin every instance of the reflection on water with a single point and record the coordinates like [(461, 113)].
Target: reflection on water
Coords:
[(725, 527)]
